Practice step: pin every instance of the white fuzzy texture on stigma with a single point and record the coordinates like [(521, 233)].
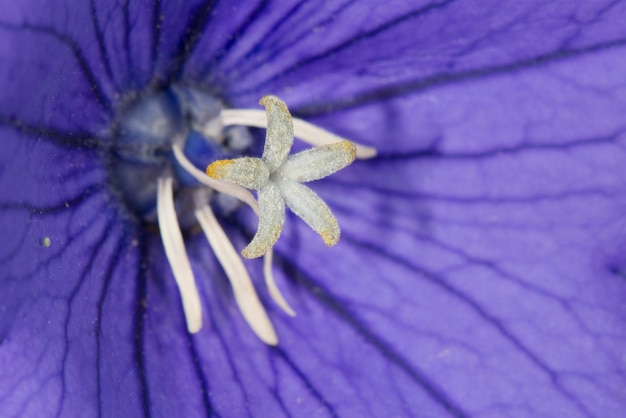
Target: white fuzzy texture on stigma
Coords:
[(277, 177), (177, 256)]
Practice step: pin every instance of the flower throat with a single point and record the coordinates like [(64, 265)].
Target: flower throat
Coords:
[(164, 139), (150, 132)]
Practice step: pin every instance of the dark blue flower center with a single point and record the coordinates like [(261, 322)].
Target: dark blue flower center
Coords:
[(145, 131)]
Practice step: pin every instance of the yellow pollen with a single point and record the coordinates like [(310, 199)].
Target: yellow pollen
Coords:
[(268, 100), (216, 169), (329, 237), (351, 148)]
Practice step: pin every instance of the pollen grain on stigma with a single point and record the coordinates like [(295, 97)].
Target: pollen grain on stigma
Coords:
[(166, 135)]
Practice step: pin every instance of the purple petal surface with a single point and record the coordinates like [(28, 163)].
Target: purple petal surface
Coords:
[(481, 268)]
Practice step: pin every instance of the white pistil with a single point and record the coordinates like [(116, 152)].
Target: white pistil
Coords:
[(245, 196), (177, 256), (274, 193), (245, 295), (277, 176), (303, 130)]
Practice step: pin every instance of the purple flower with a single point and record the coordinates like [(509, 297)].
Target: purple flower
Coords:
[(482, 265)]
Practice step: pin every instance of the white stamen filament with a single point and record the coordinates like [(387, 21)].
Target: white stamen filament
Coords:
[(271, 284), (244, 195), (303, 130), (177, 256), (244, 291), (233, 190)]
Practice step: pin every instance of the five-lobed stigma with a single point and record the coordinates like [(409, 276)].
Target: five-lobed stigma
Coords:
[(277, 177)]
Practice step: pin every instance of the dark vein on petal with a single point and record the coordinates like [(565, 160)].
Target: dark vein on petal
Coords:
[(419, 13), (275, 28), (274, 387), (156, 34), (204, 384), (14, 252), (130, 73), (495, 322), (200, 17), (527, 146), (92, 81), (309, 385), (140, 311), (443, 79), (83, 196), (243, 70), (466, 199), (56, 256), (486, 263), (81, 281), (323, 296), (108, 275), (65, 139), (100, 40), (237, 34), (231, 364)]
